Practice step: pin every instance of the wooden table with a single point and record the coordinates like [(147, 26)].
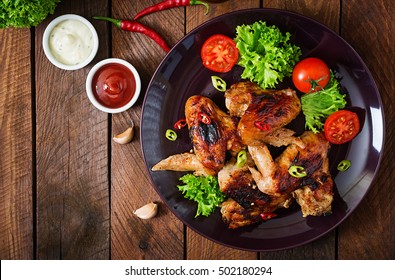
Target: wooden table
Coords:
[(68, 191)]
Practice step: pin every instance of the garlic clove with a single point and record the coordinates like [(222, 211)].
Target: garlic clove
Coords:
[(125, 137), (147, 211)]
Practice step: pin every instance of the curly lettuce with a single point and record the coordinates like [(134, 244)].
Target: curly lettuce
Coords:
[(25, 13), (317, 106), (265, 53), (203, 190)]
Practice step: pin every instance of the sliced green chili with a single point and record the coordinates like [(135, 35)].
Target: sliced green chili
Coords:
[(344, 165), (218, 83), (297, 171), (241, 158), (171, 135)]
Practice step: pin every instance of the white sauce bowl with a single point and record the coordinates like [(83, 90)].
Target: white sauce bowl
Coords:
[(46, 42), (90, 78)]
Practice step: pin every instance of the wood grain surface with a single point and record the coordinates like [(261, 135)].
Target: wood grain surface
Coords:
[(68, 191), (16, 151)]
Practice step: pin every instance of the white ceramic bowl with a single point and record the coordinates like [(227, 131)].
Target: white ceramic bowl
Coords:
[(47, 49), (89, 87)]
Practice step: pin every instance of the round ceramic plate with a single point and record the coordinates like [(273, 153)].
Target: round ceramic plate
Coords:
[(181, 74)]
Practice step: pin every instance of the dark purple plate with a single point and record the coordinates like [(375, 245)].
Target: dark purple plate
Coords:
[(181, 74)]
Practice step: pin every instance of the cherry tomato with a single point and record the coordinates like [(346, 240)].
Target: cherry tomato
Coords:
[(219, 53), (342, 126), (310, 74)]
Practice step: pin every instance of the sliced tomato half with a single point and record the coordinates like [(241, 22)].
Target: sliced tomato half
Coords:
[(219, 53), (341, 127)]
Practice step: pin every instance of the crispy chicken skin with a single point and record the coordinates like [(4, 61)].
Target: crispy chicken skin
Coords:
[(235, 215), (267, 109), (275, 186), (314, 192), (237, 183), (183, 162), (313, 158), (315, 201), (211, 141), (246, 202)]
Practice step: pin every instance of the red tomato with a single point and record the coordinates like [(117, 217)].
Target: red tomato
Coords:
[(219, 53), (342, 126), (310, 74)]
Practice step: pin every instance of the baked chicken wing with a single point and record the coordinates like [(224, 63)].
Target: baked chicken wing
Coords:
[(246, 204), (212, 131), (263, 113), (314, 191), (183, 162)]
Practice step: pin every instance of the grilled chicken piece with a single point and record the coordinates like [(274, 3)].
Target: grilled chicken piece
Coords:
[(262, 113), (237, 183), (212, 132), (273, 178), (235, 215), (315, 201), (264, 176), (183, 162), (246, 202)]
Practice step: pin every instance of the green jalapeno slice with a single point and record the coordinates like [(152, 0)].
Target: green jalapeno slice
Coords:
[(171, 135), (218, 83), (344, 165), (241, 158), (297, 171)]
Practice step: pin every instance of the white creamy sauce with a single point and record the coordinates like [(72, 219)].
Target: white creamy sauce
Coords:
[(71, 42)]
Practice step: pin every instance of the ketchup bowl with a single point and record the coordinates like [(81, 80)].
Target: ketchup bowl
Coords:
[(113, 85)]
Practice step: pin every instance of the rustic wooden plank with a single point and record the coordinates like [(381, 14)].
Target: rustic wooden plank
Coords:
[(16, 177), (369, 233), (133, 238), (197, 246), (324, 11), (72, 156), (200, 248), (328, 13)]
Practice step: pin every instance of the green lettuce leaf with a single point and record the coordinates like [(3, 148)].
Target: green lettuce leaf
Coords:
[(25, 13), (265, 53), (203, 190), (317, 106)]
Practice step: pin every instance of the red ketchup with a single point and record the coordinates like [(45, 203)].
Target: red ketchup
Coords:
[(113, 85)]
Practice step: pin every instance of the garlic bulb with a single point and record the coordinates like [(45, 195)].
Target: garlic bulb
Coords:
[(147, 211)]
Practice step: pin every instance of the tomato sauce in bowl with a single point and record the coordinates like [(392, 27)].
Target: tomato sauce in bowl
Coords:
[(113, 85)]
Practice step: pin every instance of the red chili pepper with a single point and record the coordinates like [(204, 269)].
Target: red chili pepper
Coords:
[(204, 118), (268, 216), (262, 126), (133, 26), (167, 4), (180, 124)]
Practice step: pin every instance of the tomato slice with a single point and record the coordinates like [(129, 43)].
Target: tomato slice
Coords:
[(219, 53), (341, 127), (310, 75)]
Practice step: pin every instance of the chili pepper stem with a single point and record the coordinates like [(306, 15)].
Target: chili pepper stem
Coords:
[(117, 22), (202, 3)]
